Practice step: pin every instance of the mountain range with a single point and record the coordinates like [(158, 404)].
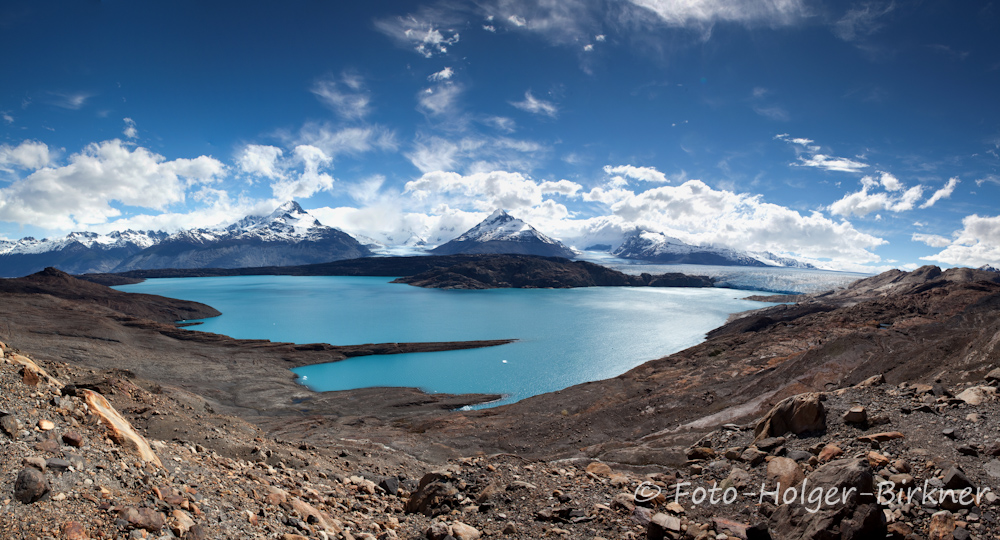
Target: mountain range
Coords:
[(290, 236), (287, 236)]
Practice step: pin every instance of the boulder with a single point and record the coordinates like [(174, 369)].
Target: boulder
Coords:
[(432, 499), (853, 515), (461, 531), (662, 526), (856, 415), (798, 414), (30, 485), (784, 474)]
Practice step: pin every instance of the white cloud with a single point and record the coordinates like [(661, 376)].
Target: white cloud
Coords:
[(337, 141), (484, 191), (310, 181), (475, 154), (490, 28), (130, 130), (813, 158), (81, 192), (7, 117), (425, 37), (600, 38), (442, 75), (774, 112), (864, 202), (72, 101), (830, 163), (347, 97), (862, 21), (704, 13), (978, 243), (30, 155), (502, 123), (561, 187), (518, 21), (440, 99), (261, 160), (699, 214), (942, 193), (536, 106), (588, 47), (932, 240), (366, 191), (646, 174)]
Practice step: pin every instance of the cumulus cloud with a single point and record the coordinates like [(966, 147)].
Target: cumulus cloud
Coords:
[(942, 193), (261, 160), (866, 201), (311, 179), (932, 240), (536, 106), (130, 130), (978, 243), (81, 191), (484, 191), (416, 31), (29, 155), (561, 187), (346, 96), (700, 214), (645, 174)]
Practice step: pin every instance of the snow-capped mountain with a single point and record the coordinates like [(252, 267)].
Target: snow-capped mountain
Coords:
[(77, 252), (504, 233), (989, 268), (286, 237), (660, 248)]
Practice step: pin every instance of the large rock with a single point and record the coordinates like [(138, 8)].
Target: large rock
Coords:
[(784, 474), (119, 428), (30, 485), (798, 414), (432, 498), (851, 516)]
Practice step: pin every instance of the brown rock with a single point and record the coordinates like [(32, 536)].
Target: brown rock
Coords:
[(877, 460), (663, 526), (830, 451), (700, 453), (598, 468), (437, 531), (10, 426), (29, 377), (785, 473), (942, 526), (461, 531), (46, 425), (881, 437), (856, 516), (898, 530), (181, 523), (797, 414), (72, 438), (120, 430), (30, 485), (856, 415), (73, 530)]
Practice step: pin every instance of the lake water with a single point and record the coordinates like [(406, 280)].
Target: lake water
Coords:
[(565, 336)]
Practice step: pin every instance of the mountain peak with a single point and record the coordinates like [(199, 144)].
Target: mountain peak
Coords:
[(290, 207), (504, 233)]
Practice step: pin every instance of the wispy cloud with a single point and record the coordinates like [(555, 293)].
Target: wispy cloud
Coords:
[(536, 106), (347, 95), (7, 117), (702, 14), (439, 99), (810, 156), (442, 75), (423, 33), (862, 21), (942, 193), (72, 101), (932, 240)]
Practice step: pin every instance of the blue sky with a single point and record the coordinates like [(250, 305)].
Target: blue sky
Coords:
[(858, 135)]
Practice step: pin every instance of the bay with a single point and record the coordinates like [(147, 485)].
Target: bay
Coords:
[(565, 336)]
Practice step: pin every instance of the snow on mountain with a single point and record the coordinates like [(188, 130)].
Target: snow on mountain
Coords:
[(771, 259), (77, 252), (660, 248), (989, 268), (503, 233), (287, 236)]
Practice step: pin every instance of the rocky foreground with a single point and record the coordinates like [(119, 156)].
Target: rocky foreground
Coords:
[(912, 461), (888, 385)]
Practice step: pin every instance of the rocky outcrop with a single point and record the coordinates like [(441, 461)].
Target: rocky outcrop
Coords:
[(119, 429), (797, 414)]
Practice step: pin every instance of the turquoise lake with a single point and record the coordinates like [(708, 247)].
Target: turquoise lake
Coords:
[(565, 336)]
